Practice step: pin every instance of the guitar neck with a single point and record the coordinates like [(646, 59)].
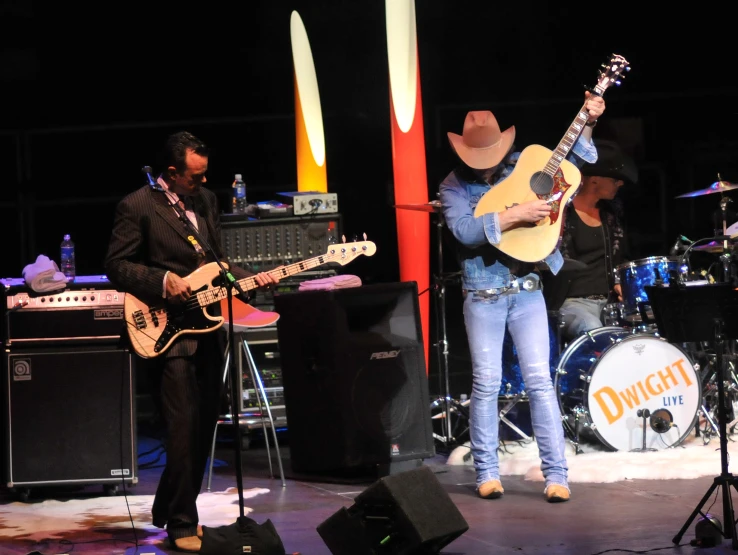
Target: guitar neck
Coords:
[(570, 138), (247, 284), (567, 142)]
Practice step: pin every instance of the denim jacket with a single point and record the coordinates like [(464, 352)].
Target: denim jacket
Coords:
[(482, 265)]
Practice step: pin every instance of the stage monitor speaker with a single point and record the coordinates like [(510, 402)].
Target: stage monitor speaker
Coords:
[(354, 377), (69, 417), (405, 514)]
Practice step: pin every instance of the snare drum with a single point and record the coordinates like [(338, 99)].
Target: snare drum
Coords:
[(607, 375), (634, 276)]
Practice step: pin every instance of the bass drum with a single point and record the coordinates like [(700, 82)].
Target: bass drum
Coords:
[(608, 377)]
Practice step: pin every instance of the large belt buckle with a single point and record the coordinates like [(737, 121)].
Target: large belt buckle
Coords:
[(529, 284)]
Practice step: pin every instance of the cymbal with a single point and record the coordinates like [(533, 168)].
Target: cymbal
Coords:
[(717, 187), (712, 246), (432, 206)]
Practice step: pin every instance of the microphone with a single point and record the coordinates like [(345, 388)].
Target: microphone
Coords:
[(661, 421), (153, 184)]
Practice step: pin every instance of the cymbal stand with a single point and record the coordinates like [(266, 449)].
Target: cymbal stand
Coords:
[(726, 256), (441, 345)]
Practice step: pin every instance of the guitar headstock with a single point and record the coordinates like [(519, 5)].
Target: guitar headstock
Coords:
[(343, 253), (612, 73)]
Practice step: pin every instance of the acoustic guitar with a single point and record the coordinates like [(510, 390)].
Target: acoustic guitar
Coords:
[(544, 174)]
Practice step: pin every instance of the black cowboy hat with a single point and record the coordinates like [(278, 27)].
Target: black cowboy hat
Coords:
[(611, 162)]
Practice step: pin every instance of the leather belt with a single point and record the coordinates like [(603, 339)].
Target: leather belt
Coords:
[(529, 283)]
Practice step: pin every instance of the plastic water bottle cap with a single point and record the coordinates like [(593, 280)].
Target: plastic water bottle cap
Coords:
[(238, 177), (67, 237)]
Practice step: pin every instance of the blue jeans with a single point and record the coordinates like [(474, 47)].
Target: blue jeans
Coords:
[(527, 320), (580, 315)]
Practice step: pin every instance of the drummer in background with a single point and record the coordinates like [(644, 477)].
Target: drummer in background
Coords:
[(594, 236)]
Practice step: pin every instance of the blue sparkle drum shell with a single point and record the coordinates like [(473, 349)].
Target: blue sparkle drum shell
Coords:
[(635, 276)]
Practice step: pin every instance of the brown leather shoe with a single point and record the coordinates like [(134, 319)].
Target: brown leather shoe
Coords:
[(491, 489), (557, 494), (190, 544)]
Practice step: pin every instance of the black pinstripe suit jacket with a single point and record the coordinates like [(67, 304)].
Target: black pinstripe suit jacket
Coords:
[(148, 239)]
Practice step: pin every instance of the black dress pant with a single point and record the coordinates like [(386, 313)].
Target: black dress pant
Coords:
[(190, 392)]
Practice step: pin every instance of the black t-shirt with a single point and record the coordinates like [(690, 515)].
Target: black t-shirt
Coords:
[(588, 246)]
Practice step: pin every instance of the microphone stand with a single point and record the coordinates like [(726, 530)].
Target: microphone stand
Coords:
[(230, 283)]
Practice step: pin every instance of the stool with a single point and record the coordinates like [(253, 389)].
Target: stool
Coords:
[(246, 316)]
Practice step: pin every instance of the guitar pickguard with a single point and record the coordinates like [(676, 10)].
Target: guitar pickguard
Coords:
[(555, 196)]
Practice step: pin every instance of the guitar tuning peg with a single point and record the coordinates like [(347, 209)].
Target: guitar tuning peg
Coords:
[(343, 238), (364, 235)]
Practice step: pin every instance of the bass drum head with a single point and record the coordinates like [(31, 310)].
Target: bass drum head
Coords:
[(643, 371), (572, 373)]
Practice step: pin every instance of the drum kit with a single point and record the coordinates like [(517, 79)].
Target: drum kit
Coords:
[(623, 387)]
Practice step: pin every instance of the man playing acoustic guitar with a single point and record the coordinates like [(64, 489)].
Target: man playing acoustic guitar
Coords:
[(502, 291)]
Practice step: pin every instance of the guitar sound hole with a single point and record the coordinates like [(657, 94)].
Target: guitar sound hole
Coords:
[(541, 183)]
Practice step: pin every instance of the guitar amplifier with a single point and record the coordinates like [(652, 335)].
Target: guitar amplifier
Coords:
[(86, 310)]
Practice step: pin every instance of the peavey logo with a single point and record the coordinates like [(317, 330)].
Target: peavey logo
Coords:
[(108, 314), (385, 354)]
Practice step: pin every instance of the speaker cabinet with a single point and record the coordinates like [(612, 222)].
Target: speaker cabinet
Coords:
[(69, 416), (354, 376), (407, 513)]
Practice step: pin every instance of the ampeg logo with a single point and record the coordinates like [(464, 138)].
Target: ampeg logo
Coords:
[(21, 369), (109, 314), (120, 472), (384, 354)]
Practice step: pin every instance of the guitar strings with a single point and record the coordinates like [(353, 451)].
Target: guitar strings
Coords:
[(538, 179)]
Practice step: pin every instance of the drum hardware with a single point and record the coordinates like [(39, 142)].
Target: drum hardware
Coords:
[(704, 313), (722, 234), (710, 396), (503, 418), (645, 414)]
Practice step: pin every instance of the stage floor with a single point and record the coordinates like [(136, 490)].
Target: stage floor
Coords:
[(633, 515)]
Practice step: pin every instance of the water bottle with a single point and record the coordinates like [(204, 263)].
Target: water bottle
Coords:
[(239, 195), (67, 258)]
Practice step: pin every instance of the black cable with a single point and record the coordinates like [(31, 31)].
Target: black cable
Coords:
[(651, 550)]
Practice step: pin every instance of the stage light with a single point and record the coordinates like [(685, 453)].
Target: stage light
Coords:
[(708, 532)]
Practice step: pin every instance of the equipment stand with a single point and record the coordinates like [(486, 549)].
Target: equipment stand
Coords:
[(644, 414), (445, 400), (726, 479), (688, 314)]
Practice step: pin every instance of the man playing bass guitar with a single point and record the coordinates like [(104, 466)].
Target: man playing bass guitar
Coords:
[(149, 254)]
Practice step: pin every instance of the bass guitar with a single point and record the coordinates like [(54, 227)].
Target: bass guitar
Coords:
[(544, 174), (152, 329)]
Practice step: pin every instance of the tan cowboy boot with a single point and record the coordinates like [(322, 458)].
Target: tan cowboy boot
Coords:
[(190, 544), (557, 494), (491, 489)]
